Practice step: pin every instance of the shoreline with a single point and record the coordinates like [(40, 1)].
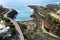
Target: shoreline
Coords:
[(25, 22), (12, 14)]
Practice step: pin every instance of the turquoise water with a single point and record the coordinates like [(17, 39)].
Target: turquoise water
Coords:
[(21, 6)]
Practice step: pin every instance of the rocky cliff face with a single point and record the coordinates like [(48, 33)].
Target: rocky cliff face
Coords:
[(12, 14)]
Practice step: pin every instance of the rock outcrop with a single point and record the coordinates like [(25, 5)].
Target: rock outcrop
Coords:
[(12, 14)]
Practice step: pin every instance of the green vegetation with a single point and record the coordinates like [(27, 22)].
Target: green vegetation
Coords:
[(49, 8), (12, 27), (31, 34), (9, 24), (25, 34), (56, 25), (12, 31), (53, 20), (1, 36), (3, 11), (6, 20), (23, 28)]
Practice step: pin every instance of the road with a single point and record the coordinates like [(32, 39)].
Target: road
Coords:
[(42, 20), (20, 35)]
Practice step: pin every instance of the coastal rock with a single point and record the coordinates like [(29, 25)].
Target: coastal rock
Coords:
[(12, 14)]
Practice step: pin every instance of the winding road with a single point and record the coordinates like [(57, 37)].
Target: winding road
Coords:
[(20, 35)]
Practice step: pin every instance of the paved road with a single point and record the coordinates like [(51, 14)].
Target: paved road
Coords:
[(20, 35)]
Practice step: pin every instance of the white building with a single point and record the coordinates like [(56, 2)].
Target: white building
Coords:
[(3, 30)]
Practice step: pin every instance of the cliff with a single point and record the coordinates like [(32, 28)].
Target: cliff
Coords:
[(12, 14)]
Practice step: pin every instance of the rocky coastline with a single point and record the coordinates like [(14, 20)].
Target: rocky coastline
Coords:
[(12, 14)]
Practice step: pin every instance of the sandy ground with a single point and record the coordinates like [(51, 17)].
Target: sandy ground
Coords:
[(26, 22), (55, 15), (30, 24), (58, 11), (2, 26)]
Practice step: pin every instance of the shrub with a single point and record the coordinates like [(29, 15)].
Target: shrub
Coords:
[(12, 31), (10, 25), (23, 26), (7, 20), (25, 34), (1, 36), (48, 16), (53, 20), (57, 25)]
